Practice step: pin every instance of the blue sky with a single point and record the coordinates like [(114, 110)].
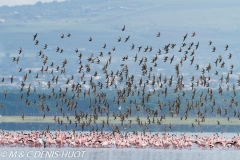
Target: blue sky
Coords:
[(22, 2)]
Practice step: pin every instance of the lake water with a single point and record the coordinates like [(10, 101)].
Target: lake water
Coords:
[(118, 154), (195, 153), (152, 127)]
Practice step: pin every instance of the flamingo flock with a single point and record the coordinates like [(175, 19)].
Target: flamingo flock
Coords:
[(115, 140)]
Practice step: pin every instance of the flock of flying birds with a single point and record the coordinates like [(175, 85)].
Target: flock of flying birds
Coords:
[(137, 90)]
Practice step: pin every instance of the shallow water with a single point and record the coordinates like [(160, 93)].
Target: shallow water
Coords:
[(119, 154), (195, 153)]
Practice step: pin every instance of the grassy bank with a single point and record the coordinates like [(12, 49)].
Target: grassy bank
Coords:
[(168, 120)]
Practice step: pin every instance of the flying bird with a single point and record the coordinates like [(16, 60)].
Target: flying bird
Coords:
[(35, 36), (123, 29)]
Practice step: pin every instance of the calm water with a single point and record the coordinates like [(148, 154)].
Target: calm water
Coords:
[(153, 128), (122, 154)]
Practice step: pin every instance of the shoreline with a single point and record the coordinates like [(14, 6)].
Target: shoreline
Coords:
[(166, 121)]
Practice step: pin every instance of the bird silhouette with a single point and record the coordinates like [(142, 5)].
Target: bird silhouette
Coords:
[(123, 29)]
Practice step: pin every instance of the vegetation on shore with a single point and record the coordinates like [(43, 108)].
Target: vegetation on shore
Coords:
[(167, 120)]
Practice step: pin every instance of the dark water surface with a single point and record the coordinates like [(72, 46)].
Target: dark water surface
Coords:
[(153, 128)]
